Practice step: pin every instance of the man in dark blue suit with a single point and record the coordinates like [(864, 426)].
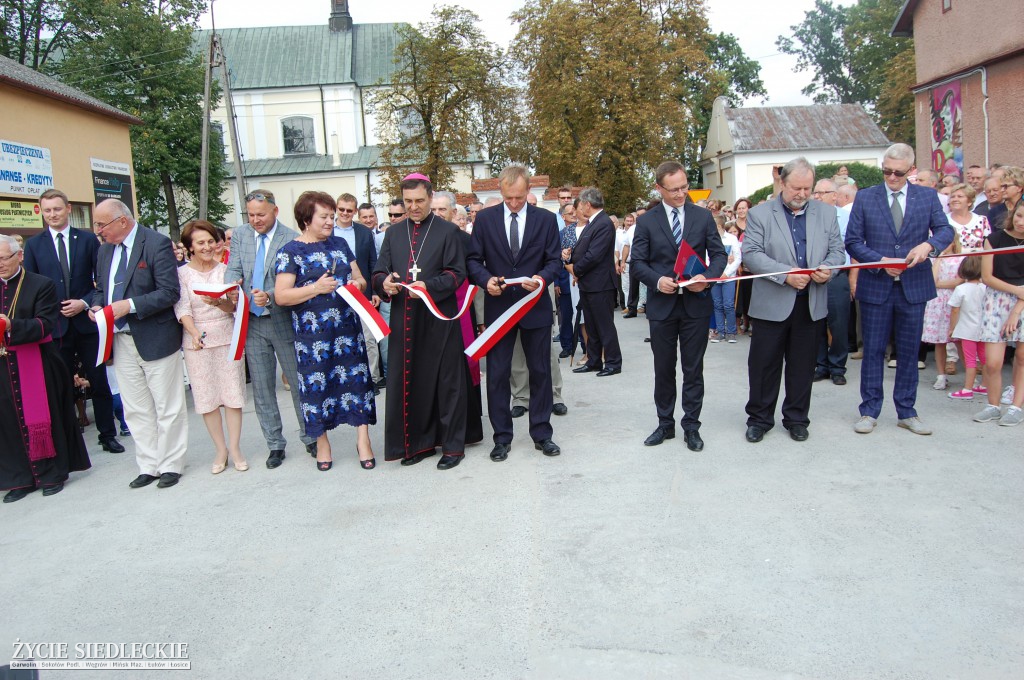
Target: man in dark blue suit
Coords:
[(678, 318), (67, 256), (900, 222), (512, 240), (361, 240)]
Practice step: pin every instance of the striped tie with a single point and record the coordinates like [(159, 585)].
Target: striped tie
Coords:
[(677, 229)]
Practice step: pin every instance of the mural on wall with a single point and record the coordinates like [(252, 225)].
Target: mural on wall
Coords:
[(947, 138)]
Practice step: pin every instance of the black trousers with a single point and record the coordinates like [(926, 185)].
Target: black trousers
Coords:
[(537, 348), (602, 338), (795, 342), (688, 336), (77, 347), (633, 299)]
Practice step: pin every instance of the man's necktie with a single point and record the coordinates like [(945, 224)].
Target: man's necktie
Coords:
[(65, 268), (120, 278), (677, 229), (259, 271), (513, 236), (897, 211)]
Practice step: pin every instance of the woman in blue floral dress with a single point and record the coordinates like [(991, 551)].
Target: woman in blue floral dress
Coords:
[(334, 376)]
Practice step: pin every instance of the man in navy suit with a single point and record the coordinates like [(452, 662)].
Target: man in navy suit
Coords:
[(900, 222), (678, 318), (512, 240), (67, 256), (137, 275), (361, 241), (593, 266)]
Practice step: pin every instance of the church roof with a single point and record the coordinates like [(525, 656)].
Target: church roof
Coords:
[(291, 56), (790, 128)]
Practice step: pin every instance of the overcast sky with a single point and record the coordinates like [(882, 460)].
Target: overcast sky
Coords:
[(755, 23)]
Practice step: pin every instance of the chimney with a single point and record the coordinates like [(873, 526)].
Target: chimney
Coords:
[(341, 20)]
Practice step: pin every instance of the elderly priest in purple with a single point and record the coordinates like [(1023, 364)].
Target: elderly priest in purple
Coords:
[(39, 437), (426, 403)]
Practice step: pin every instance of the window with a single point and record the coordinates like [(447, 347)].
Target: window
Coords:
[(298, 136), (947, 5)]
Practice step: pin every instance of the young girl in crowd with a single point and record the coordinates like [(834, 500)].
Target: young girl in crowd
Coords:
[(936, 312), (967, 303), (1001, 320)]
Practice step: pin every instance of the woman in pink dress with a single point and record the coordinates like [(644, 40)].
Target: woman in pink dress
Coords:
[(217, 380)]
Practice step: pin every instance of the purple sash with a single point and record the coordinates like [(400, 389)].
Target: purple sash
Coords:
[(34, 400)]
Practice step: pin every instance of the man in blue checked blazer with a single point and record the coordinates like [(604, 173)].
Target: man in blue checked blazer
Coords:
[(901, 222), (270, 331)]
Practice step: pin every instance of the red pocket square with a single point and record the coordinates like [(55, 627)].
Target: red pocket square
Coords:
[(142, 264)]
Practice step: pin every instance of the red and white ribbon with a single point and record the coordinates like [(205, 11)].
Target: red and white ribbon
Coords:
[(366, 311), (504, 323), (218, 290), (422, 294), (105, 326)]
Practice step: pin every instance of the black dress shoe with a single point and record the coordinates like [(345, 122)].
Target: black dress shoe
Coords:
[(17, 494), (518, 411), (660, 435), (839, 380), (500, 452), (564, 354), (142, 480), (448, 461), (755, 434), (112, 445), (559, 409), (310, 449), (693, 440), (547, 447), (412, 460), (53, 490), (629, 315), (818, 377), (168, 479), (276, 458), (608, 371), (381, 384), (584, 369), (799, 433)]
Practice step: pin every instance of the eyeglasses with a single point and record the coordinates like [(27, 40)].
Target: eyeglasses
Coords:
[(347, 211), (1007, 186), (678, 190), (899, 173), (823, 193), (101, 227), (10, 257), (259, 196), (391, 214)]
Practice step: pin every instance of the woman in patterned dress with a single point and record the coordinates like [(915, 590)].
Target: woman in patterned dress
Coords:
[(215, 378), (334, 375)]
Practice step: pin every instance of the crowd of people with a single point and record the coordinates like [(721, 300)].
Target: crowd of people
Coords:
[(823, 271)]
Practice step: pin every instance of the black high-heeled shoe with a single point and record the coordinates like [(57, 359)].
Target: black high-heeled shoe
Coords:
[(324, 466), (368, 464)]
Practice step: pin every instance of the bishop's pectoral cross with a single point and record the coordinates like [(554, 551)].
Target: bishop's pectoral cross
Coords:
[(414, 271)]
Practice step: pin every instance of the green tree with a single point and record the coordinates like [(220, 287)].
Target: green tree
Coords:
[(430, 114), (614, 87), (138, 56), (820, 47), (31, 31), (853, 59)]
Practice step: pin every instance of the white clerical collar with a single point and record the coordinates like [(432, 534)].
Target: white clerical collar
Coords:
[(14, 276)]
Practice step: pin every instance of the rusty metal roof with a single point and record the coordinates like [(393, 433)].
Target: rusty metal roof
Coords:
[(788, 128)]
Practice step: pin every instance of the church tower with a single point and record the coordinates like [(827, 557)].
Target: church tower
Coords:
[(341, 20)]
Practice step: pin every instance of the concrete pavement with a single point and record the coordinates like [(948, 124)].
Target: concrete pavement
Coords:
[(887, 555)]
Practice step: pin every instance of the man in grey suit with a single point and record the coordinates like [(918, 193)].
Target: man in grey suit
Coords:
[(788, 232), (252, 262), (137, 275)]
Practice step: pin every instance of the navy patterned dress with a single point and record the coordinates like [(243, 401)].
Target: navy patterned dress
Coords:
[(334, 375)]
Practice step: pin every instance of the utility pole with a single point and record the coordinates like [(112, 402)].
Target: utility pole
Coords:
[(204, 164), (232, 123)]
